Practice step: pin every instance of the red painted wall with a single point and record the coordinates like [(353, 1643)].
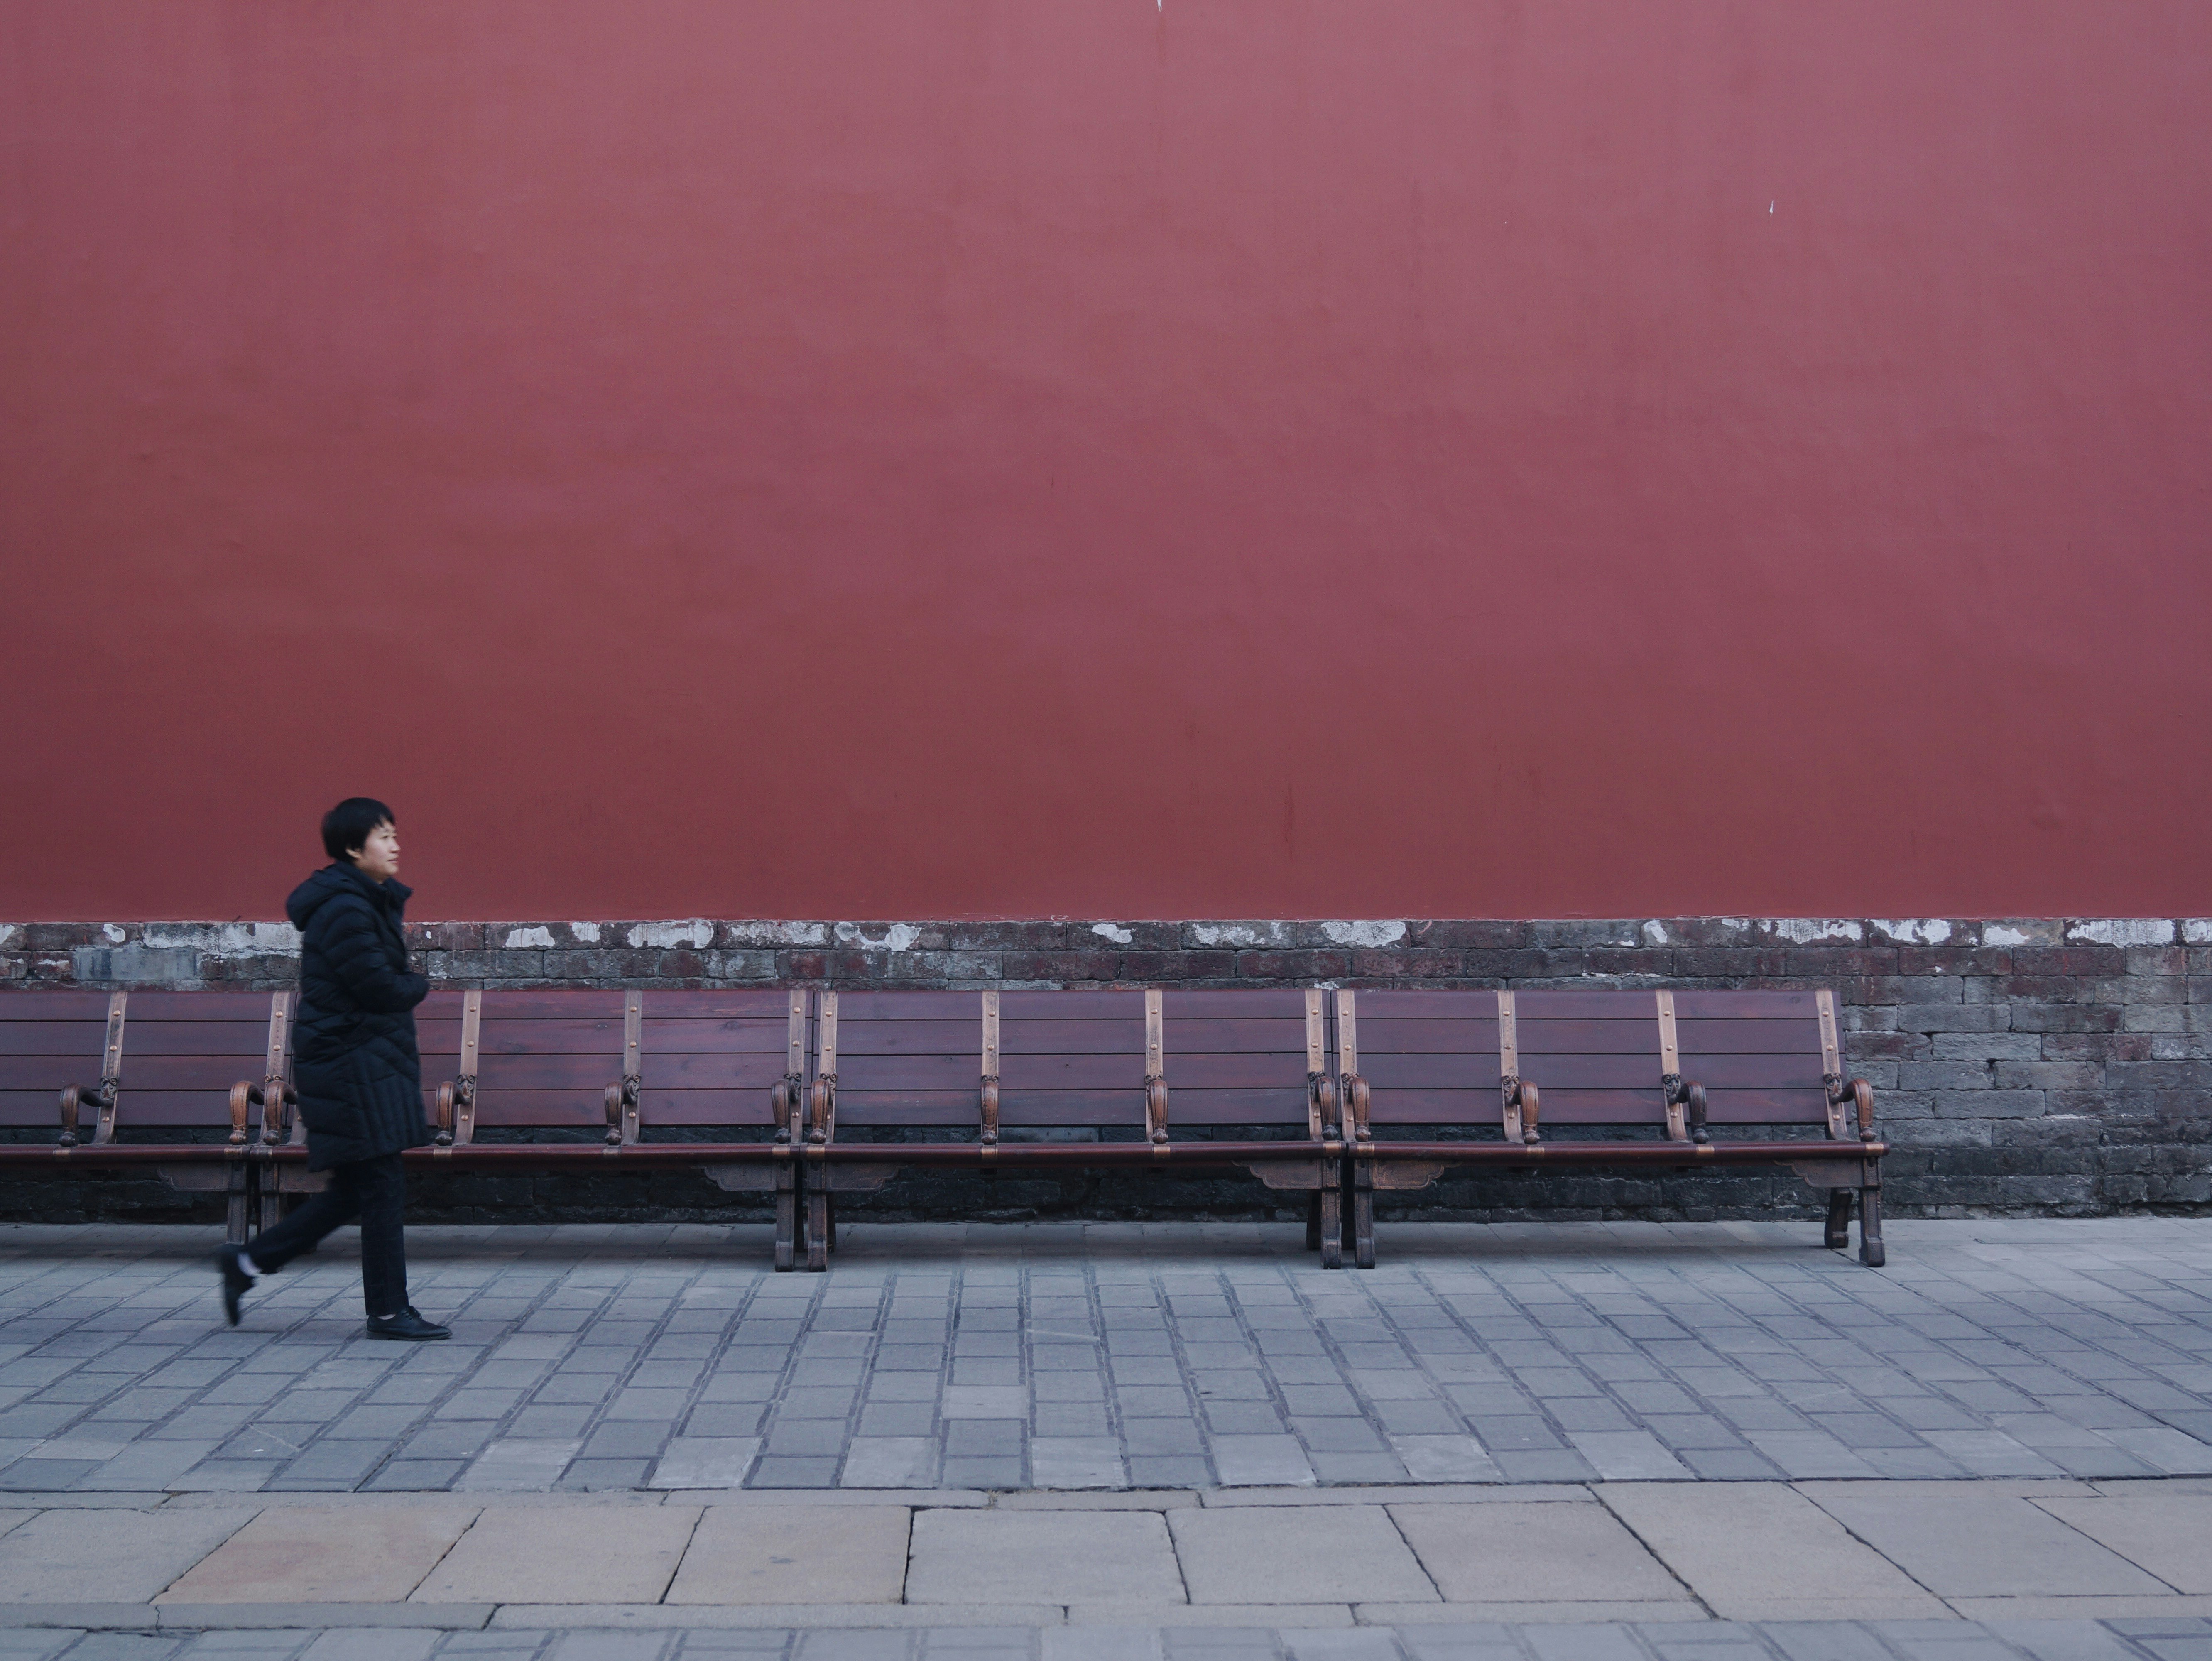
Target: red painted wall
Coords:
[(1268, 457)]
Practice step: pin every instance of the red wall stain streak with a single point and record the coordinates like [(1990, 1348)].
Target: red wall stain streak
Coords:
[(963, 458)]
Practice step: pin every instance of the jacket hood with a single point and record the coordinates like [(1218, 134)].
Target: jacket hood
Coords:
[(332, 880)]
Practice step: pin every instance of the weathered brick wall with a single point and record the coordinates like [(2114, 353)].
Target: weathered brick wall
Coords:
[(2022, 1065)]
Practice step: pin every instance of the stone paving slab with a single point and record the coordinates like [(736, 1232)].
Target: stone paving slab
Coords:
[(1949, 1554), (1761, 1552), (1107, 1356)]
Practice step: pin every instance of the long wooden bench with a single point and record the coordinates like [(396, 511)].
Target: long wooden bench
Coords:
[(811, 1095), (986, 1077), (1537, 1079), (559, 1081), (136, 1075)]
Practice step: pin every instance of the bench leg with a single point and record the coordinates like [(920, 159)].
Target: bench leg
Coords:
[(242, 1197), (269, 1206), (1313, 1221), (1329, 1203), (1838, 1234), (787, 1216), (829, 1220), (1363, 1213), (1871, 1252), (817, 1228)]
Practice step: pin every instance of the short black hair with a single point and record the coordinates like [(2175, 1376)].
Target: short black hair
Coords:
[(346, 827)]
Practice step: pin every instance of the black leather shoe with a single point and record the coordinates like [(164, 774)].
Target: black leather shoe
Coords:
[(411, 1327), (235, 1281)]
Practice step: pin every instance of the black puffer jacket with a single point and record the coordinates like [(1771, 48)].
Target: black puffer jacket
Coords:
[(355, 1062)]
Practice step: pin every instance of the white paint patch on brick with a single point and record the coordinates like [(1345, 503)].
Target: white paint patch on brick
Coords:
[(2123, 931), (670, 935), (1995, 934), (227, 939), (1655, 932), (7, 932), (585, 934), (519, 937), (1742, 925), (898, 937), (1370, 934), (113, 932), (779, 933), (1237, 933), (1114, 931), (1914, 931), (1804, 931), (2197, 931)]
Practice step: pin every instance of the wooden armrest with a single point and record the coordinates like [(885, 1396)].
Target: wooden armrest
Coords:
[(100, 1095), (1327, 1101), (1355, 1098), (243, 1095), (987, 1100)]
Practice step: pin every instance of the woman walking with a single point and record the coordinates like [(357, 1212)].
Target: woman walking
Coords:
[(354, 1064)]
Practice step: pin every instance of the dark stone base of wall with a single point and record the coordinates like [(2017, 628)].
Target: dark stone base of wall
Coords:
[(2025, 1066)]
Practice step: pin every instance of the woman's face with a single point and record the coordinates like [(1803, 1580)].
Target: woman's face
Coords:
[(379, 858)]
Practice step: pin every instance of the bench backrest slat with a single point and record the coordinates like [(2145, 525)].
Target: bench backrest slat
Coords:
[(1071, 1058), (437, 1042), (1429, 1057), (1759, 1055), (711, 1058), (545, 1059), (48, 1041), (182, 1052), (1594, 1056), (1433, 1058), (909, 1058)]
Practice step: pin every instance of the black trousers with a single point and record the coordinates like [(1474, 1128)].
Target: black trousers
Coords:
[(375, 1192)]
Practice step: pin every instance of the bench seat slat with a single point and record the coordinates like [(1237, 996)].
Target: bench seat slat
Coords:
[(51, 1038), (749, 1039), (56, 1006), (501, 1036), (1745, 1006), (553, 1072), (1766, 1072), (751, 1070), (1551, 1003), (708, 1003), (153, 1007), (49, 1073), (183, 1039), (201, 1106), (1741, 1037), (734, 1107), (1593, 1037), (143, 1073), (1436, 1038), (1766, 1107), (542, 1107), (1389, 1074), (501, 1005), (861, 1007), (1439, 1107)]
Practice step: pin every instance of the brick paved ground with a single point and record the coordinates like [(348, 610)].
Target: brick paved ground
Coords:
[(1180, 1356), (2183, 1638)]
